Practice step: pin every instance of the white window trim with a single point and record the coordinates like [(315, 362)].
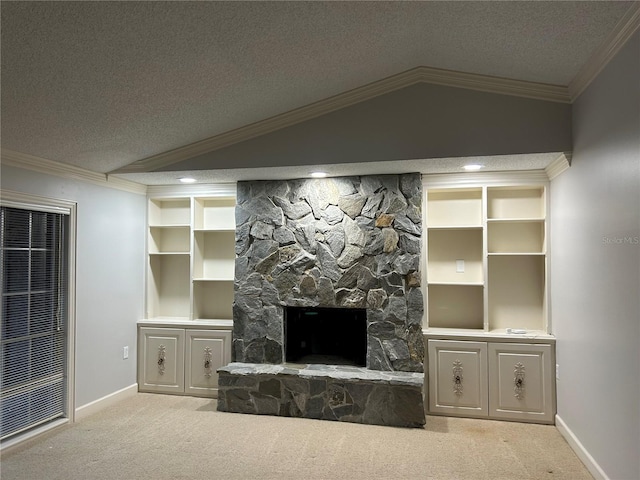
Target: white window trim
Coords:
[(10, 198)]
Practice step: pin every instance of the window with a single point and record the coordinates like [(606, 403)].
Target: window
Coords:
[(34, 318)]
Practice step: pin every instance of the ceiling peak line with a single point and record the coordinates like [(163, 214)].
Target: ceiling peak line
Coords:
[(449, 78), (623, 31)]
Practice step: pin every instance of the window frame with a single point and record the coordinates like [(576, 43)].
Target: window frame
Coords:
[(26, 201)]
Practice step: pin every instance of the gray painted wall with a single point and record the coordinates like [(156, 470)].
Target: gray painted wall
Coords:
[(595, 269), (416, 122), (109, 277)]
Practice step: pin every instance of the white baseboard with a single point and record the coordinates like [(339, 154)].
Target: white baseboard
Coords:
[(104, 402), (580, 451)]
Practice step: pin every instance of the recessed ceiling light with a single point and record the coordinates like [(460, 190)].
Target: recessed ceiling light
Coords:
[(318, 174), (187, 180), (472, 167)]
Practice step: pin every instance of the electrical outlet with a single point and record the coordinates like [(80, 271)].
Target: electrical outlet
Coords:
[(125, 353), (459, 266), (557, 372)]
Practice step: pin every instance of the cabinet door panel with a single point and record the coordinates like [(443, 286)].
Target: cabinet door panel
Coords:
[(162, 355), (457, 377), (206, 352), (520, 383)]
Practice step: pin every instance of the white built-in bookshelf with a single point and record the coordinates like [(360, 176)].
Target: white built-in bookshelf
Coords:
[(191, 253), (489, 343), (186, 333), (486, 254)]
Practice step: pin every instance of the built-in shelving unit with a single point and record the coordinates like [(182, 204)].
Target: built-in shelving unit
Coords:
[(186, 334), (486, 255), (454, 239), (168, 246), (489, 342), (516, 258), (214, 257), (191, 247)]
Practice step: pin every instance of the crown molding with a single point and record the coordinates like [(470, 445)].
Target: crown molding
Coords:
[(483, 83), (623, 31), (42, 165), (489, 84), (559, 165), (518, 177), (209, 190)]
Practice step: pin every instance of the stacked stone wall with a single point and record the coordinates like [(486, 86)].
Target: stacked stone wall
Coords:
[(351, 242)]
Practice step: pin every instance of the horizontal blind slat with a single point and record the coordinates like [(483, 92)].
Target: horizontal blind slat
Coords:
[(30, 407), (33, 319)]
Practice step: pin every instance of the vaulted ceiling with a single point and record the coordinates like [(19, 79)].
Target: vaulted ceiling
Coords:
[(108, 85)]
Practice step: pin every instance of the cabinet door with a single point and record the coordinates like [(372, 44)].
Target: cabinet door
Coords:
[(521, 384), (207, 350), (458, 378), (161, 361)]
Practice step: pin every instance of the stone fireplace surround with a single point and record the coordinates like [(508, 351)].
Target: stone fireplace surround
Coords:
[(351, 242)]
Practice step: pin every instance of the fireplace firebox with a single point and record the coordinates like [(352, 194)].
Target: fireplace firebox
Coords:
[(330, 336)]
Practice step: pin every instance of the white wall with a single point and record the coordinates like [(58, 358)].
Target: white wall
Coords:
[(595, 270), (109, 277)]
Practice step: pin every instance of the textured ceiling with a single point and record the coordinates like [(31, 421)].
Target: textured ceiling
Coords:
[(103, 84)]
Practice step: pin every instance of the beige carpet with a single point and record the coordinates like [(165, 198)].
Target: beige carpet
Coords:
[(172, 437)]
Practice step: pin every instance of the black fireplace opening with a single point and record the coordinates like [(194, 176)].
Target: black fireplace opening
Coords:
[(329, 336)]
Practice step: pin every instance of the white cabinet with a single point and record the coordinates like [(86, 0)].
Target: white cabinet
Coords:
[(521, 383), (500, 380), (191, 257), (206, 351), (486, 254), (213, 257), (455, 266), (182, 360), (169, 247), (186, 334), (457, 378), (490, 348), (161, 360)]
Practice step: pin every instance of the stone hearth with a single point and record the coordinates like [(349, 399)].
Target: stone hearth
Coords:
[(349, 394)]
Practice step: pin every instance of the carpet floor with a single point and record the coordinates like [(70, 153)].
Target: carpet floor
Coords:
[(157, 437)]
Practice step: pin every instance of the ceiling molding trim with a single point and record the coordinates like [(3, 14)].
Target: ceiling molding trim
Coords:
[(489, 84), (484, 83), (623, 31), (559, 165), (518, 177), (49, 167), (209, 190)]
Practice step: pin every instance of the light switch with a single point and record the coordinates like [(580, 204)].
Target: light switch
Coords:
[(459, 266)]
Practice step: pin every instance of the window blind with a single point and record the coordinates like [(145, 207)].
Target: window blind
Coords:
[(33, 325)]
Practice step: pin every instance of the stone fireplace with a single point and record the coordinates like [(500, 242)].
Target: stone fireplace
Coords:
[(350, 243)]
